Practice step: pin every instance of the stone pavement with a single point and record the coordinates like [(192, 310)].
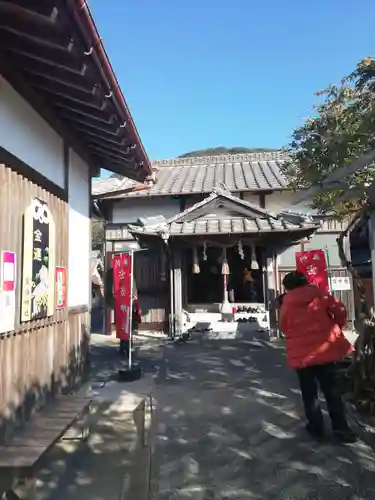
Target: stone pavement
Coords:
[(229, 427), (115, 463)]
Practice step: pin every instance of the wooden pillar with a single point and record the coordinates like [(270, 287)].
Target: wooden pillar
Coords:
[(171, 292), (177, 291), (271, 294), (108, 315)]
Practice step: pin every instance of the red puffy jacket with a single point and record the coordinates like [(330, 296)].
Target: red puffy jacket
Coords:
[(312, 323)]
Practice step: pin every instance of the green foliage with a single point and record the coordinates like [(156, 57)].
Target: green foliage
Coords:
[(341, 129), (221, 150), (97, 234)]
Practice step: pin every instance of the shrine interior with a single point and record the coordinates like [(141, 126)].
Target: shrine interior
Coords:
[(245, 282)]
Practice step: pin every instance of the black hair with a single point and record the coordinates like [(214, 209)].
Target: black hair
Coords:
[(295, 279)]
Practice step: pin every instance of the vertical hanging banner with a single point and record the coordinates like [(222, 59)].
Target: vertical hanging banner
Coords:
[(60, 287), (7, 291), (313, 265), (122, 291), (38, 266)]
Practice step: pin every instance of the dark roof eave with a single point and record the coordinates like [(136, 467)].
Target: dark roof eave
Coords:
[(60, 65), (303, 230), (87, 26)]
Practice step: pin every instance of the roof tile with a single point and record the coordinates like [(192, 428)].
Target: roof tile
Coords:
[(242, 172)]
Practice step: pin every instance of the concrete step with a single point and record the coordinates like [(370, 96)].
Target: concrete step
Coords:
[(230, 326), (204, 317), (215, 308)]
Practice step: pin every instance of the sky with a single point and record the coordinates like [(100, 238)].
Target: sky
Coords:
[(206, 73)]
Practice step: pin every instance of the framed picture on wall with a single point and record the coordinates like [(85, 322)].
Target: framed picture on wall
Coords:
[(38, 265)]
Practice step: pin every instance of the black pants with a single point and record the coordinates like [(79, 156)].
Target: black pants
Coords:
[(325, 377)]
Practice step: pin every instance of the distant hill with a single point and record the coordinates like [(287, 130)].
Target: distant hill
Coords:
[(221, 150)]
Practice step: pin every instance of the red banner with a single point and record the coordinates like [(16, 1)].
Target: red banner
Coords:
[(313, 265), (122, 281)]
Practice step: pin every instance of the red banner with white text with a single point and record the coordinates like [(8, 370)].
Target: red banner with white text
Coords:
[(122, 290), (312, 264)]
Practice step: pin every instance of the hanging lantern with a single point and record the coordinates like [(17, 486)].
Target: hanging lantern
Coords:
[(225, 267), (240, 250), (204, 254), (196, 268), (254, 263)]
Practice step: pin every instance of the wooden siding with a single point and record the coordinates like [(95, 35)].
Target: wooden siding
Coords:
[(332, 226), (44, 357), (153, 291)]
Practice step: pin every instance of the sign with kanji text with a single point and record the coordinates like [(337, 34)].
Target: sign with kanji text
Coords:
[(38, 263), (340, 283), (312, 264), (122, 291)]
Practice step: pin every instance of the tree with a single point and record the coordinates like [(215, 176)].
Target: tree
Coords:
[(341, 129), (97, 234)]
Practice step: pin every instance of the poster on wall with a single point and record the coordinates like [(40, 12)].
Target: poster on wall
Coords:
[(7, 291), (122, 290), (38, 266), (60, 287), (312, 264)]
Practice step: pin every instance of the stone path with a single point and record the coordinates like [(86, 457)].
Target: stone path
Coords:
[(230, 427), (114, 463)]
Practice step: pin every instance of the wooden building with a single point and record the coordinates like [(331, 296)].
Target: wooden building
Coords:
[(200, 206), (62, 117)]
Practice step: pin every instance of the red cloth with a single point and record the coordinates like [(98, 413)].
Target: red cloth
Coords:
[(312, 264), (312, 322), (137, 314), (122, 276)]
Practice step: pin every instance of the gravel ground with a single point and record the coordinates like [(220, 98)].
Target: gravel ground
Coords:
[(230, 427)]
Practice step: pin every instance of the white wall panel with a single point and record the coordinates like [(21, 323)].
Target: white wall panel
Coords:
[(25, 134), (132, 209), (79, 268)]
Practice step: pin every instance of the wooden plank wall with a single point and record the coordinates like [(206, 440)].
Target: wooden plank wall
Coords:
[(39, 358), (153, 291)]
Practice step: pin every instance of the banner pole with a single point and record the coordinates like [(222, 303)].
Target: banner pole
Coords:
[(328, 268), (131, 254)]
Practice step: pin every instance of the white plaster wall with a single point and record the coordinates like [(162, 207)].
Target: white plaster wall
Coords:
[(131, 210), (26, 135), (283, 200), (251, 198), (79, 268), (327, 242)]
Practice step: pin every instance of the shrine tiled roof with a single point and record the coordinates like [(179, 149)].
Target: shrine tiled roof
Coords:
[(224, 214), (184, 176)]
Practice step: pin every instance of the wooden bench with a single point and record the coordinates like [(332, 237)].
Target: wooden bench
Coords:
[(20, 459)]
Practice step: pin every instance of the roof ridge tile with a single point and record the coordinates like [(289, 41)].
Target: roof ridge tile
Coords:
[(228, 158)]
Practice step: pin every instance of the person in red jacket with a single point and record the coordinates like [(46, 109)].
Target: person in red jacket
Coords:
[(312, 323)]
